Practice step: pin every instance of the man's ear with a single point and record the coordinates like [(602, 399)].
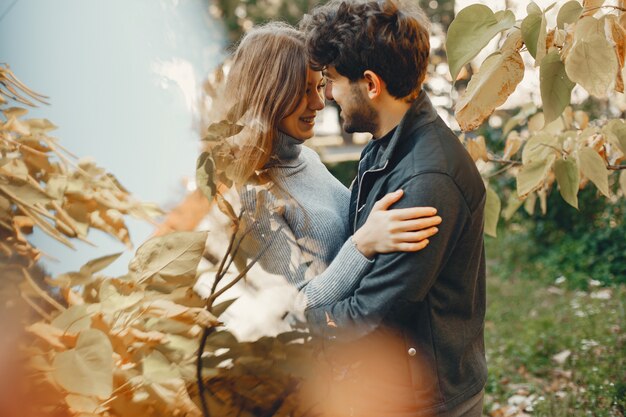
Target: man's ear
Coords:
[(374, 84)]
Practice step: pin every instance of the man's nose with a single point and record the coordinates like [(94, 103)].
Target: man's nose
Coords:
[(328, 92)]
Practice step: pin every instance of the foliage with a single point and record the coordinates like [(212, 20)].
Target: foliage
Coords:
[(126, 345), (559, 145), (576, 245), (239, 16), (344, 171), (42, 185), (552, 351)]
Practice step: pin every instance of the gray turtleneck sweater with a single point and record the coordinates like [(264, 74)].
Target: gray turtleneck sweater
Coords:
[(302, 219)]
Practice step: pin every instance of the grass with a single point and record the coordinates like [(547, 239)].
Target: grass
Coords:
[(529, 323)]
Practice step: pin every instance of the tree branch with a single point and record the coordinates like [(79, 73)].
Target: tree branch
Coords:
[(505, 161), (615, 167)]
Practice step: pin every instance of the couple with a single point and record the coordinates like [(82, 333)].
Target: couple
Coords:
[(402, 299)]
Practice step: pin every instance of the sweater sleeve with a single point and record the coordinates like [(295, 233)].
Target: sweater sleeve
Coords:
[(398, 275), (269, 233)]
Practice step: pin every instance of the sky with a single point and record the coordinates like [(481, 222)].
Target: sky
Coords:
[(122, 79)]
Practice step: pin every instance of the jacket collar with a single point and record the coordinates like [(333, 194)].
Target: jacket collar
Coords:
[(419, 114)]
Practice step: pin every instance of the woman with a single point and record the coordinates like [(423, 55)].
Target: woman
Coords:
[(297, 212)]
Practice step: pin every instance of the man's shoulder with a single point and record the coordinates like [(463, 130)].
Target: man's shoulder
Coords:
[(435, 149)]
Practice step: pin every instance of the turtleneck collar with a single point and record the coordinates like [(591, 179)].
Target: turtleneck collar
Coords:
[(286, 150)]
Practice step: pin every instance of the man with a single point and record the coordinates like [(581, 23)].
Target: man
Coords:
[(415, 322)]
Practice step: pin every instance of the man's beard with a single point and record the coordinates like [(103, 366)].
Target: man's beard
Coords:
[(360, 116)]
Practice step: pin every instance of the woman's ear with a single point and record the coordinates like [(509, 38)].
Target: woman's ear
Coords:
[(374, 84)]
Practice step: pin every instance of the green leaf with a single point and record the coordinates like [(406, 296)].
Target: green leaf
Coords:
[(171, 258), (568, 178), (97, 265), (592, 62), (471, 31), (492, 212), (569, 13), (534, 32), (532, 175), (594, 168), (88, 368), (556, 88), (489, 88), (205, 175)]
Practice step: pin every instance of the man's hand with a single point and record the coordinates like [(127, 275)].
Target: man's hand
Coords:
[(399, 230)]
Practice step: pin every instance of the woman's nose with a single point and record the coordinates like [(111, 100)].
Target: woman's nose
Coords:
[(316, 102)]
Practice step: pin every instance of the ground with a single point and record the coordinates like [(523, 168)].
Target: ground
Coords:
[(554, 351)]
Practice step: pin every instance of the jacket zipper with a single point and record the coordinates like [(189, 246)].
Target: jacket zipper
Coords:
[(358, 195)]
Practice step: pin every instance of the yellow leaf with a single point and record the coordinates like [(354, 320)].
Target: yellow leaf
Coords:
[(492, 212), (589, 49), (471, 30), (15, 168), (16, 112), (569, 13), (618, 36), (539, 146), (533, 174), (82, 404), (174, 398), (622, 181), (51, 334), (97, 265), (40, 125), (15, 125), (582, 119), (512, 145), (156, 368), (489, 88), (568, 177), (477, 149), (593, 167), (173, 257), (168, 309), (513, 204), (530, 203), (591, 7), (112, 301), (73, 320), (88, 368)]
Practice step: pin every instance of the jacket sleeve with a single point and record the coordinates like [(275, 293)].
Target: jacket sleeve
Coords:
[(270, 232), (398, 275)]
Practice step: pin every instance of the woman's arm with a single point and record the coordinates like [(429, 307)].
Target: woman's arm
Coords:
[(268, 231), (385, 231)]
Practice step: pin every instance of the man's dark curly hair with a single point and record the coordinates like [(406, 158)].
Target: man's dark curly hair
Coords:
[(386, 37)]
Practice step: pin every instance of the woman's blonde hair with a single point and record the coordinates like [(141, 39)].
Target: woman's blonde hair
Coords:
[(265, 83)]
